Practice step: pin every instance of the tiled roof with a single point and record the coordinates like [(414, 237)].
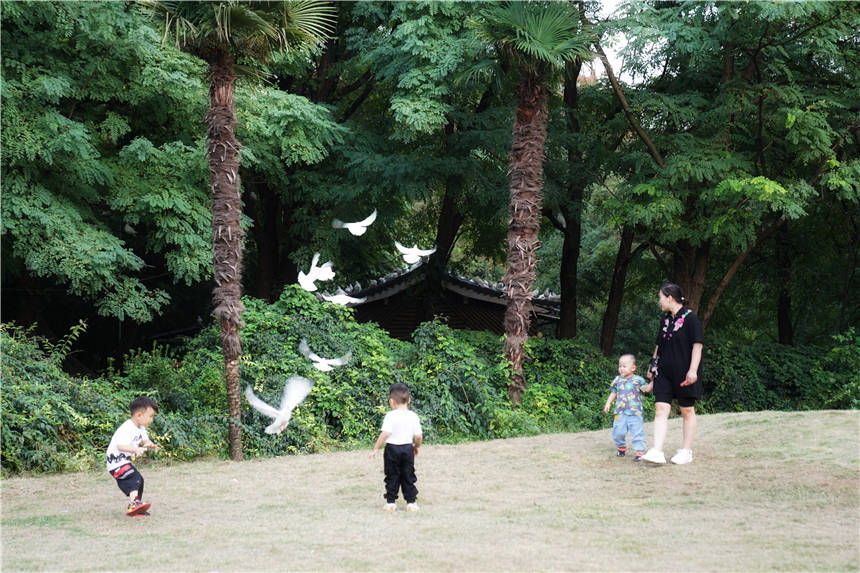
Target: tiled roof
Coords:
[(473, 304)]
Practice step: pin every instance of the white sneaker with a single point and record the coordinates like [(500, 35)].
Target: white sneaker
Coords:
[(390, 507), (682, 456), (412, 506), (654, 456)]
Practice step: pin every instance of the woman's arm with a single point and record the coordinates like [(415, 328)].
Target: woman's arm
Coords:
[(695, 360)]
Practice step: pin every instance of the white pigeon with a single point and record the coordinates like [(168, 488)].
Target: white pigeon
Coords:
[(414, 254), (358, 228), (340, 297), (320, 363), (316, 273), (295, 391)]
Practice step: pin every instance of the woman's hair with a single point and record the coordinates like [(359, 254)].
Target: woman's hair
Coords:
[(673, 290)]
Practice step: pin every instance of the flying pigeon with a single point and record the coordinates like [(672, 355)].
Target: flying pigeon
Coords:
[(316, 273), (340, 297), (414, 254), (357, 228), (323, 364), (295, 391)]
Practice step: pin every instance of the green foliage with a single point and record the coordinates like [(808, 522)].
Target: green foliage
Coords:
[(101, 176), (52, 421), (769, 376), (458, 379)]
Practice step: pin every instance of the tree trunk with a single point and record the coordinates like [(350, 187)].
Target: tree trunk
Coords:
[(569, 265), (224, 160), (526, 171), (616, 291), (690, 268), (785, 328), (572, 211), (450, 220)]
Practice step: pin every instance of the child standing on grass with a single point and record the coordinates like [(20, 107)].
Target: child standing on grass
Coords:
[(627, 388), (401, 434), (131, 440)]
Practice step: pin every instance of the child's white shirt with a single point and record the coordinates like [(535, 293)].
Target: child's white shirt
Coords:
[(128, 434), (403, 425)]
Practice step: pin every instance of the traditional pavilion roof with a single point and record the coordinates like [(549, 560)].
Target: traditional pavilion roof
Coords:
[(466, 303)]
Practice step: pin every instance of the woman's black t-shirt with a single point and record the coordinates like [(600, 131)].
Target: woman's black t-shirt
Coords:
[(675, 348)]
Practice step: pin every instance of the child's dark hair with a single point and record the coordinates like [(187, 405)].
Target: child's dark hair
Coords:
[(141, 403), (673, 290), (399, 393)]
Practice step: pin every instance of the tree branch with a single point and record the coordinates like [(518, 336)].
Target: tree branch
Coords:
[(730, 273), (652, 149), (357, 103)]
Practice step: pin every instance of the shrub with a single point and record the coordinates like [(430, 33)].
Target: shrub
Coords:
[(54, 422)]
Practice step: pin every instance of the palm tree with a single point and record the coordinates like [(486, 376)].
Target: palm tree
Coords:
[(534, 40), (220, 33)]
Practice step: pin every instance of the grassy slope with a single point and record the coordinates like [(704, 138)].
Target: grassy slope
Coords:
[(770, 490)]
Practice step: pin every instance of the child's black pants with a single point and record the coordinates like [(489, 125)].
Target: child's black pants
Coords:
[(400, 472), (128, 479)]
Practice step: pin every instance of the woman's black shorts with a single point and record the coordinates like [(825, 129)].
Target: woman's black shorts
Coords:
[(667, 397), (665, 391)]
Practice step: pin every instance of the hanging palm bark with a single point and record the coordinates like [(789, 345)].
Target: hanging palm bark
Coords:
[(526, 172), (224, 159), (219, 32), (536, 40)]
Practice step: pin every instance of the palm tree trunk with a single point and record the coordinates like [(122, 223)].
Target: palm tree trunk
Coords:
[(224, 159), (526, 172)]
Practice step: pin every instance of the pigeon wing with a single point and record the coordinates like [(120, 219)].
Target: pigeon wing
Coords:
[(304, 349), (306, 282), (337, 224), (295, 390), (342, 360), (259, 405), (324, 272), (369, 221)]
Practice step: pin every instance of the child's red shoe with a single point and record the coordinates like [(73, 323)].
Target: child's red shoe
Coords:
[(137, 507)]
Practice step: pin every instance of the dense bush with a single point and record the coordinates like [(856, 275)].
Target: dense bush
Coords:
[(51, 421), (55, 422)]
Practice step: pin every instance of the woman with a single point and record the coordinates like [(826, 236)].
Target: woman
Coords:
[(676, 370)]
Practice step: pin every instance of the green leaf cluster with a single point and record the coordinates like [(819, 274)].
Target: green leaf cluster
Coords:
[(101, 175)]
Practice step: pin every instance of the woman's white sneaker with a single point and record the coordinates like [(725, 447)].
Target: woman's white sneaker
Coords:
[(682, 456), (654, 456)]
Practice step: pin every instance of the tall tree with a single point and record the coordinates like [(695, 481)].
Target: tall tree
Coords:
[(749, 107), (535, 40), (220, 33)]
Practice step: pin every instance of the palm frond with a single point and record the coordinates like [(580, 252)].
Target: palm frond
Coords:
[(540, 32), (254, 28)]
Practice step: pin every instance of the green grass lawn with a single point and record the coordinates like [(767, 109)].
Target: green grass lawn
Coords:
[(768, 490)]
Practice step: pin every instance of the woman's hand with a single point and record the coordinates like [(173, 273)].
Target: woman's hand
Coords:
[(691, 378)]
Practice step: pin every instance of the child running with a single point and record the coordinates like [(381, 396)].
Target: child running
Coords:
[(401, 434), (627, 388), (131, 440)]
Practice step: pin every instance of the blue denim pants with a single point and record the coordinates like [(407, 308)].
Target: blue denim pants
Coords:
[(633, 424)]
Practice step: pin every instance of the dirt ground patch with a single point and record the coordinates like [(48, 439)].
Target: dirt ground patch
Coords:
[(767, 490)]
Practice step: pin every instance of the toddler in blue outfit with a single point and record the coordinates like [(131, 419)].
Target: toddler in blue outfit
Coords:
[(626, 390)]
